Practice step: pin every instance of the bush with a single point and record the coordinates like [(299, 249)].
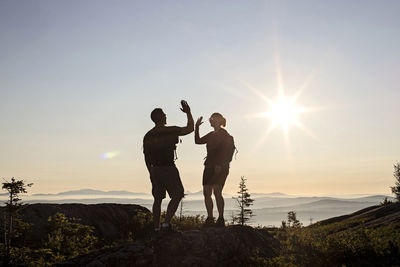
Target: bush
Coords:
[(141, 225), (326, 246), (188, 222), (68, 238)]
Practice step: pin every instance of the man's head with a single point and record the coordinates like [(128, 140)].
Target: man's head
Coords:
[(158, 116)]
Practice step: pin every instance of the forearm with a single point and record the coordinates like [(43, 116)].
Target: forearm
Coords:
[(197, 135), (190, 121), (189, 125)]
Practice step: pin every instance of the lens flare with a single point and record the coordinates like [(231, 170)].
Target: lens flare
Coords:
[(109, 155)]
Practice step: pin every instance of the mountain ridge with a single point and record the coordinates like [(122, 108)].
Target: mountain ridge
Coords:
[(89, 191)]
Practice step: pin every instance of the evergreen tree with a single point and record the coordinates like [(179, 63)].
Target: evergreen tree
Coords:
[(292, 221), (13, 204), (396, 174), (244, 202)]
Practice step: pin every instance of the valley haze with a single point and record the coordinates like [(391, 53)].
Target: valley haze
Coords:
[(269, 208)]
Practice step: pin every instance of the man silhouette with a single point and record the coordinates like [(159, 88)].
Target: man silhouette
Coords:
[(159, 146)]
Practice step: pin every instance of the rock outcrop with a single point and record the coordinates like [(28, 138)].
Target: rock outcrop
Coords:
[(228, 246)]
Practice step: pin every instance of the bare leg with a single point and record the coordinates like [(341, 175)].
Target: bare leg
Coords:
[(207, 191), (219, 200), (172, 207), (157, 212)]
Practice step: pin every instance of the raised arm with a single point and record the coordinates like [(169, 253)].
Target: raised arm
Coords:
[(197, 139), (190, 123)]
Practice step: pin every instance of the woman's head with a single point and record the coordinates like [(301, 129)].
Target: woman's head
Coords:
[(217, 120)]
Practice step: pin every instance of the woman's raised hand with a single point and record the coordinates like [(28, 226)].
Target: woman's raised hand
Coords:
[(199, 122)]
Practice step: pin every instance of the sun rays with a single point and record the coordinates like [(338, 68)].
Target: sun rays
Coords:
[(283, 112)]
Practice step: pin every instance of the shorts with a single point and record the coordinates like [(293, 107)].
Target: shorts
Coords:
[(212, 178), (166, 179)]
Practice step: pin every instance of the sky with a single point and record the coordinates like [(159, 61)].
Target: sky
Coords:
[(78, 79)]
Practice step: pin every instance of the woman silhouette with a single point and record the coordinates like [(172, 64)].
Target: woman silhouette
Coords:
[(216, 166)]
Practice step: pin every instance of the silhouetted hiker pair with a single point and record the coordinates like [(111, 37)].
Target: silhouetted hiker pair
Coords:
[(159, 147)]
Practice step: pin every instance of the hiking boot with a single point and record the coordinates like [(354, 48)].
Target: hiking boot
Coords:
[(220, 222), (209, 222)]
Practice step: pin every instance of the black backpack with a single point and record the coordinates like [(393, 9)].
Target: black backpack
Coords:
[(229, 148), (157, 147)]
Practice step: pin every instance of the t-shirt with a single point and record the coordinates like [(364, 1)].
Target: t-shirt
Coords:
[(216, 147), (159, 145)]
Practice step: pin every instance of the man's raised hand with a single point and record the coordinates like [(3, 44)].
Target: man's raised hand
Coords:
[(185, 106), (199, 122)]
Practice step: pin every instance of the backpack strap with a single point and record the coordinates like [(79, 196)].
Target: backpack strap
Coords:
[(236, 151)]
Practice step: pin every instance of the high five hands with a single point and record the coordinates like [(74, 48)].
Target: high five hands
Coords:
[(185, 107), (199, 122)]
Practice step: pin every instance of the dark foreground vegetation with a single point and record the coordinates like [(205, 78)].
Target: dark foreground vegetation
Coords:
[(121, 235), (44, 234), (370, 237)]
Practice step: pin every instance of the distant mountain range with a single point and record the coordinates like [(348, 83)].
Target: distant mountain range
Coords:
[(269, 208), (91, 192), (272, 210), (88, 191)]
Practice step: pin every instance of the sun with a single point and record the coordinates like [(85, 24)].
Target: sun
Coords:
[(284, 112)]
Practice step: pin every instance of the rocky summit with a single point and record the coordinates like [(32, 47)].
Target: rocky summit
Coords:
[(228, 246)]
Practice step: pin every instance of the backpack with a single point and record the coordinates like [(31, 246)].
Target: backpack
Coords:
[(228, 147), (160, 148)]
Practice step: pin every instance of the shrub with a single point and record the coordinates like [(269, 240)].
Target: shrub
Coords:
[(68, 237)]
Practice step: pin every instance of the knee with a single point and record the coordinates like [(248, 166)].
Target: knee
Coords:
[(207, 193), (177, 196), (217, 193)]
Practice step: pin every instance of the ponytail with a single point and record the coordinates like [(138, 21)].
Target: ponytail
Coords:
[(223, 121)]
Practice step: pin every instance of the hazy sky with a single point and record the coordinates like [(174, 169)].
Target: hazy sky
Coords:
[(79, 79)]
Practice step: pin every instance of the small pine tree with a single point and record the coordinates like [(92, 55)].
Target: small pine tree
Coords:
[(13, 205), (283, 225), (292, 221), (244, 202), (396, 188), (385, 202)]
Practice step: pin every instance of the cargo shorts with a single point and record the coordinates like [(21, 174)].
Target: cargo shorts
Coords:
[(166, 179)]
